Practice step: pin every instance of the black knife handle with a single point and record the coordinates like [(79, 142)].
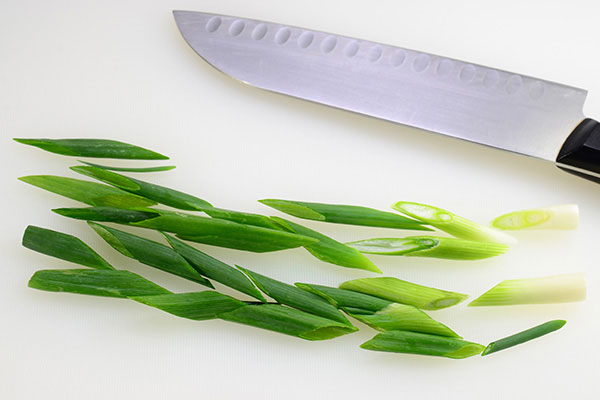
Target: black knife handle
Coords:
[(580, 155)]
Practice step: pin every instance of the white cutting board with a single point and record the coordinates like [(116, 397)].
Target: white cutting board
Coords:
[(120, 70)]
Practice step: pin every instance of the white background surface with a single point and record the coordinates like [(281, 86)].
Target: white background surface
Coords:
[(119, 69)]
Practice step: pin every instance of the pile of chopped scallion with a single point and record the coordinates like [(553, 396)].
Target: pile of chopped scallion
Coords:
[(393, 306)]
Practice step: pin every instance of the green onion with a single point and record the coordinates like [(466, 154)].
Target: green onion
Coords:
[(160, 194), (430, 246), (96, 148), (242, 217), (288, 321), (198, 306), (215, 269), (149, 252), (453, 224), (563, 288), (329, 250), (96, 282), (294, 297), (346, 299), (107, 214), (124, 169), (524, 336), (422, 343), (344, 214), (92, 193), (401, 317), (63, 246), (555, 217), (399, 291)]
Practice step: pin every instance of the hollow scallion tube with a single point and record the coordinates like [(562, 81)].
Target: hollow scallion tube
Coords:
[(345, 299), (95, 148), (564, 217), (128, 169), (524, 336)]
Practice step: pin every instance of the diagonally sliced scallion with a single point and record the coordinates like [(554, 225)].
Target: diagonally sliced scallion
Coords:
[(451, 223), (107, 214), (555, 217), (95, 148), (524, 336), (343, 299), (430, 246), (126, 169), (565, 288)]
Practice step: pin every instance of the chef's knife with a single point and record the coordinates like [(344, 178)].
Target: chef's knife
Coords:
[(497, 108)]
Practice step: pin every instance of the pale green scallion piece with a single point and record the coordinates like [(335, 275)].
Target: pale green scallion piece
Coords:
[(344, 214), (95, 148), (423, 344), (451, 223), (563, 217), (126, 169), (524, 336), (63, 246), (399, 291), (430, 246), (565, 288)]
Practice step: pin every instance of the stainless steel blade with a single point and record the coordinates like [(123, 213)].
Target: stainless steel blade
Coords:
[(468, 101)]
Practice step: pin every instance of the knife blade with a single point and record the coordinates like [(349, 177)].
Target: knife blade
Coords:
[(497, 108)]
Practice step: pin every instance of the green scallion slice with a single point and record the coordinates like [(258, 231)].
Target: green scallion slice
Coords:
[(344, 214), (430, 246), (565, 288), (126, 169), (347, 299), (556, 217), (149, 252), (63, 246), (401, 317), (294, 297), (399, 291), (524, 336), (242, 217), (288, 321), (160, 194), (451, 223), (107, 214), (92, 193), (95, 148), (329, 250), (96, 282), (422, 343)]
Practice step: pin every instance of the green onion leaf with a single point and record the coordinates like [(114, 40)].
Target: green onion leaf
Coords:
[(242, 217), (288, 321), (92, 193), (95, 282), (63, 246), (344, 214), (149, 252), (346, 299), (160, 194), (555, 217), (563, 288), (294, 297), (401, 317), (107, 214), (215, 269), (524, 336), (430, 246), (96, 148), (198, 306), (329, 250), (453, 224), (124, 169), (422, 343), (399, 291)]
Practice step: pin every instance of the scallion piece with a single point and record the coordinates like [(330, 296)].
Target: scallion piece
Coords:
[(160, 194), (565, 288), (344, 214), (525, 336), (556, 217), (242, 217), (401, 317), (422, 343), (107, 214), (451, 223), (149, 252), (63, 246), (346, 299), (294, 297), (399, 291), (288, 321), (329, 250), (95, 148), (96, 282), (215, 269), (125, 169), (430, 246), (92, 193)]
